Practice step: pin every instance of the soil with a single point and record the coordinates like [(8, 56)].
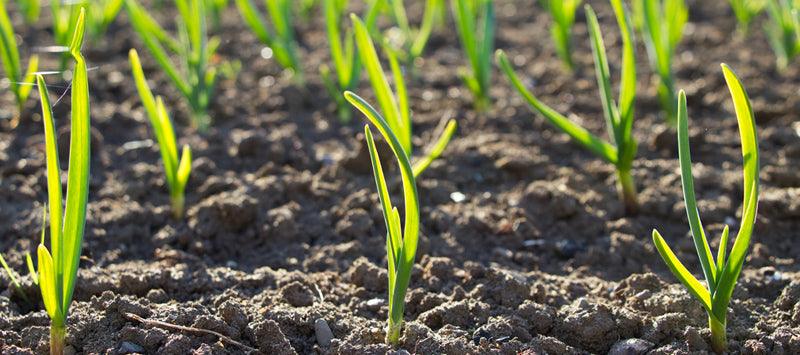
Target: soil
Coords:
[(524, 249)]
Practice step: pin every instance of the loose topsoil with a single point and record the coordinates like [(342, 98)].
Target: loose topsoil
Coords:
[(524, 249)]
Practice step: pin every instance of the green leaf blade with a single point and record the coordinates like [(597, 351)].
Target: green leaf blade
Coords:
[(580, 135), (687, 181), (78, 174), (686, 278)]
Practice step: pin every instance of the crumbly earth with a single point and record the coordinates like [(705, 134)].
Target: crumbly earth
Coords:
[(524, 249)]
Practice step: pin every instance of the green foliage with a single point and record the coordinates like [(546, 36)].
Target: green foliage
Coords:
[(21, 82), (414, 40), (99, 15), (58, 266), (401, 239), (176, 170), (31, 9), (346, 63), (194, 76), (394, 104), (720, 274), (13, 277), (215, 8), (563, 14), (662, 22), (280, 37), (305, 8), (745, 11), (783, 30), (476, 24), (619, 117), (28, 261)]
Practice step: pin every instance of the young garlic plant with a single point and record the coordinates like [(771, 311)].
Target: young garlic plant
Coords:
[(395, 105), (196, 78), (58, 266), (176, 170), (347, 66), (783, 30), (476, 24), (720, 274), (281, 37), (215, 9), (401, 238), (661, 23), (745, 11), (20, 82), (619, 116), (414, 40), (64, 15), (31, 9), (99, 15), (563, 14)]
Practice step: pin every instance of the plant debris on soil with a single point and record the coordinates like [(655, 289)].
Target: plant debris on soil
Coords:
[(524, 246)]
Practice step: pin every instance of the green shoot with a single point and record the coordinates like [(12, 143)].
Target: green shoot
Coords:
[(306, 7), (99, 15), (58, 266), (401, 239), (343, 54), (14, 279), (176, 170), (28, 261), (215, 9), (475, 22), (745, 11), (196, 78), (281, 38), (563, 13), (720, 274), (662, 23), (64, 17), (619, 116), (395, 105), (31, 9), (21, 82), (783, 30), (414, 40)]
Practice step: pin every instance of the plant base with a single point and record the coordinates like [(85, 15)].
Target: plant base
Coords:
[(627, 192), (719, 340), (57, 335), (393, 331), (177, 206)]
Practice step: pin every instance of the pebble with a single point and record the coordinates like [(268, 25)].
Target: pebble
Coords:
[(631, 346), (323, 332), (127, 347), (375, 303), (458, 197)]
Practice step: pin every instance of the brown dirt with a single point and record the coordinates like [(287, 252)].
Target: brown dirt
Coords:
[(283, 227)]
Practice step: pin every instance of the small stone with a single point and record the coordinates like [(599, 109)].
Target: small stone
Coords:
[(323, 333), (69, 350), (127, 347), (631, 346), (375, 303), (458, 197)]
